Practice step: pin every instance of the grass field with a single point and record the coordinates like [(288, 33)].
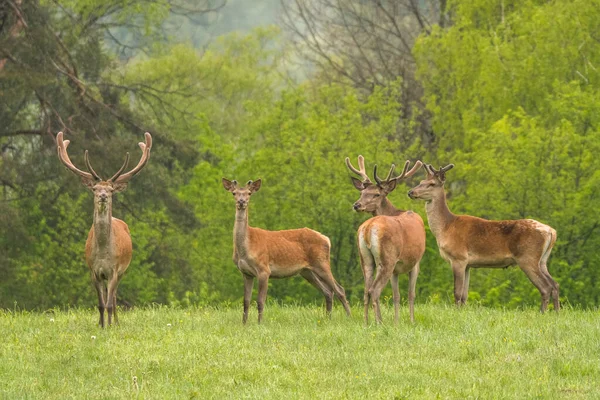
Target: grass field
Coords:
[(160, 353)]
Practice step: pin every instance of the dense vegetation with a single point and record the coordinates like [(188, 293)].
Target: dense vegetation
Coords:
[(507, 90)]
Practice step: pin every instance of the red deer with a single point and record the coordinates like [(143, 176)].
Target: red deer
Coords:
[(263, 254), (108, 246), (393, 241), (470, 242)]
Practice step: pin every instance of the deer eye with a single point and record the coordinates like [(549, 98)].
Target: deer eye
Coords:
[(376, 195)]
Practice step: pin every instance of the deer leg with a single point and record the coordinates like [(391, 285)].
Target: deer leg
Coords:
[(342, 298), (248, 284), (314, 280), (324, 273), (115, 307), (367, 263), (263, 284), (465, 291), (413, 274), (100, 290), (110, 297), (540, 281), (555, 289), (544, 269), (381, 280), (459, 271), (396, 291)]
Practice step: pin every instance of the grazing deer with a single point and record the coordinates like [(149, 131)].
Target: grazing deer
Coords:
[(393, 241), (108, 246), (278, 254), (471, 242)]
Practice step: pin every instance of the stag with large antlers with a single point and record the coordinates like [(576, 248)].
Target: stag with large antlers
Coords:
[(390, 243), (263, 254), (108, 247), (470, 242)]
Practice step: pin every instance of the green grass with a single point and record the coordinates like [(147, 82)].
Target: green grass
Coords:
[(475, 352)]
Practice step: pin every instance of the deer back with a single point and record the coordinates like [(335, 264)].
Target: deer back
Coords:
[(491, 242), (288, 247)]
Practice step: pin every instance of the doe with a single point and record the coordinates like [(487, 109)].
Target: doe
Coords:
[(263, 254)]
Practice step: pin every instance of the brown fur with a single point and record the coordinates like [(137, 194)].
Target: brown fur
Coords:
[(122, 245), (471, 242), (390, 243), (263, 254)]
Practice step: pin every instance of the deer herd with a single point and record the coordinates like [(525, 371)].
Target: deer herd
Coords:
[(390, 243)]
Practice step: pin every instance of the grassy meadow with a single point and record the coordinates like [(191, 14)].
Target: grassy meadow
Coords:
[(161, 353)]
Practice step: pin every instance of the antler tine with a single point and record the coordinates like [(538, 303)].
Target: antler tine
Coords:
[(361, 163), (360, 172), (89, 167), (120, 171), (63, 156), (389, 175), (377, 179), (413, 170), (447, 167), (145, 156)]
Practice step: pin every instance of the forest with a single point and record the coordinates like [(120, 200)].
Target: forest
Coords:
[(506, 90)]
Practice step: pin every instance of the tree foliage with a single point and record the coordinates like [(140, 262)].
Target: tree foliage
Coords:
[(508, 89)]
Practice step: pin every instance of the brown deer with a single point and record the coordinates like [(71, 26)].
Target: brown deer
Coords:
[(108, 246), (471, 242), (393, 241), (263, 254)]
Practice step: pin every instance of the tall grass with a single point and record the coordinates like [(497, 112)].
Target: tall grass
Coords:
[(160, 353)]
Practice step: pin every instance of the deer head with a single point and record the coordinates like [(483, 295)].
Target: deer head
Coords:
[(373, 195), (103, 189), (241, 194), (432, 185)]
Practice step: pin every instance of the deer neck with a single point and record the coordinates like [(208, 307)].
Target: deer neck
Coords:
[(439, 215), (103, 224), (387, 208), (240, 231)]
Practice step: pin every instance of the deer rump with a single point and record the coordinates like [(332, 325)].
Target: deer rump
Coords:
[(399, 240)]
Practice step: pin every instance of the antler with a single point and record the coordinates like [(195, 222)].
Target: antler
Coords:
[(63, 156), (441, 173), (89, 167), (118, 178), (403, 175), (120, 171), (389, 175), (362, 172)]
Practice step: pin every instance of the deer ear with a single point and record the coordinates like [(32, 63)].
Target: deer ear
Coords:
[(358, 184), (228, 185), (89, 183), (119, 187), (255, 186)]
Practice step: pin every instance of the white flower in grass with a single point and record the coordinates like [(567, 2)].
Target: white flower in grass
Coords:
[(169, 325), (93, 337), (51, 319)]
